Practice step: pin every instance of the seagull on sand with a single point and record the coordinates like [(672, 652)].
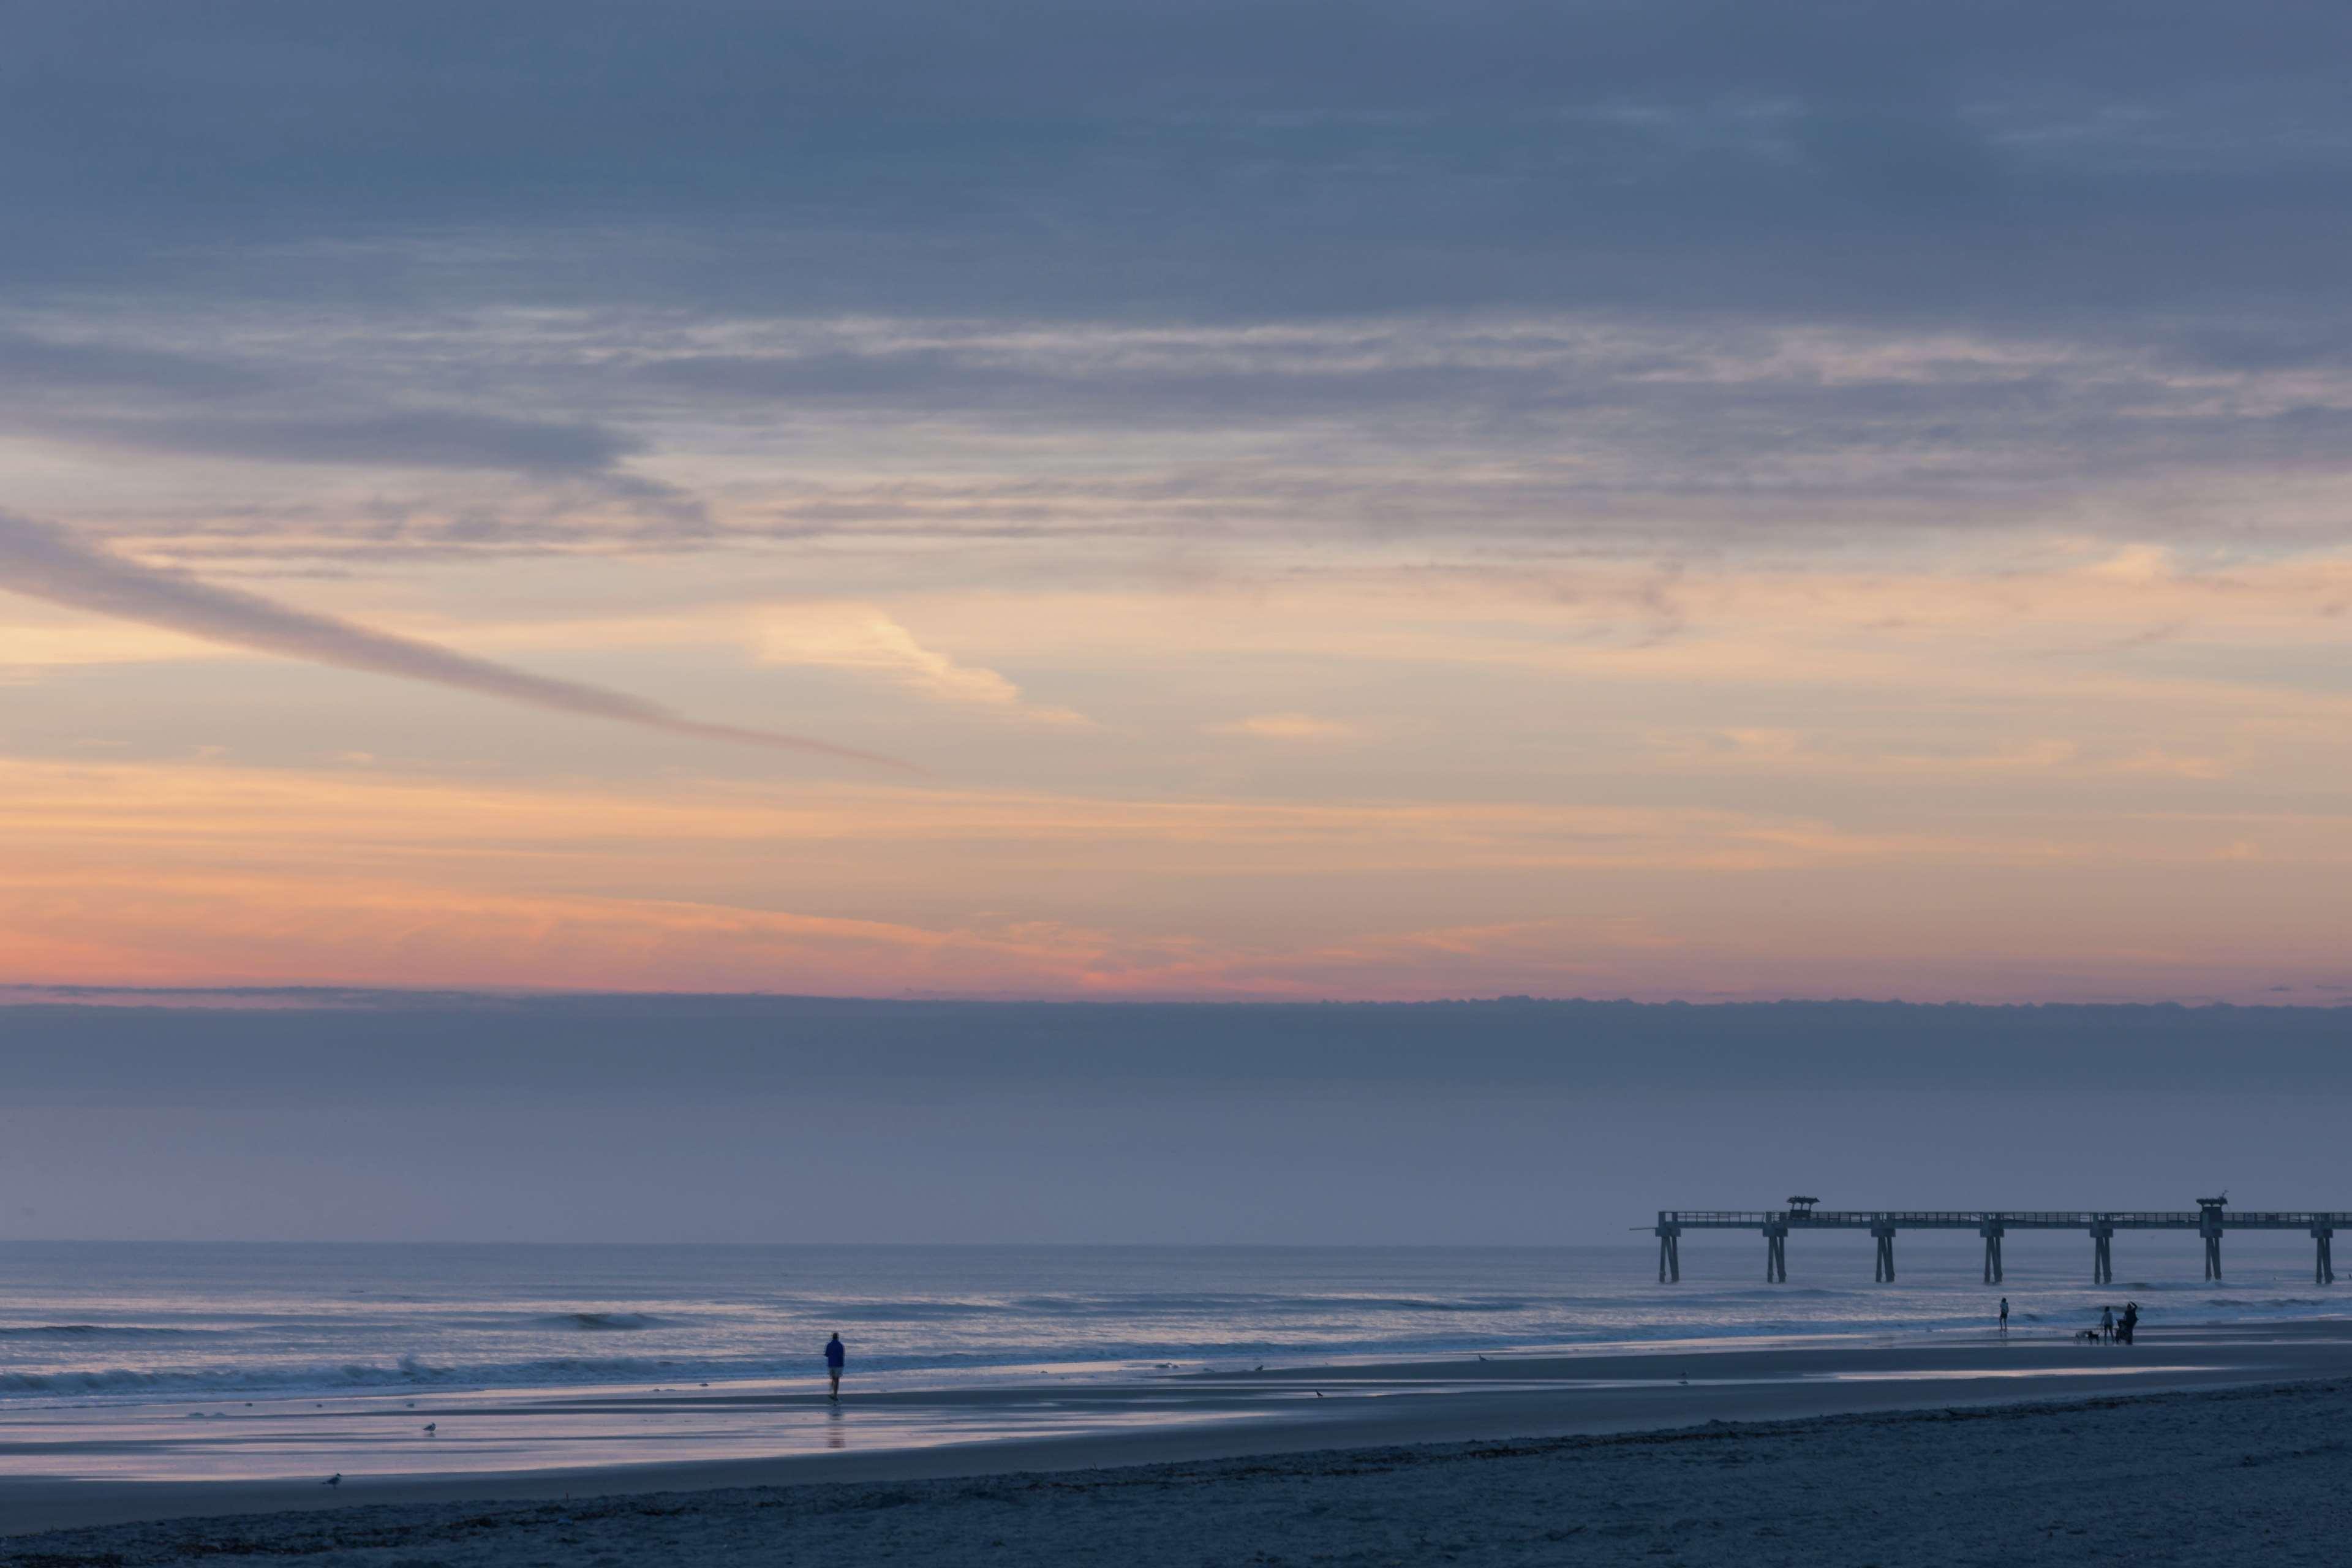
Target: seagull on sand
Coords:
[(431, 1426), (335, 1480)]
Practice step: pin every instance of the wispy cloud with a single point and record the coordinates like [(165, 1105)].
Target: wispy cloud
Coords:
[(860, 637), (46, 562), (427, 438)]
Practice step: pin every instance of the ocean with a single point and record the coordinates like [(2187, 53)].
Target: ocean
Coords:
[(90, 1325)]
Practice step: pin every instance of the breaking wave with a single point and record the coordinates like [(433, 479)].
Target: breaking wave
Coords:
[(602, 1322), (351, 1377), (1165, 1304), (91, 1332)]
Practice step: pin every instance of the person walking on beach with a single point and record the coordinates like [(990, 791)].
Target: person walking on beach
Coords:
[(2004, 1314), (2107, 1324), (2131, 1321), (834, 1354)]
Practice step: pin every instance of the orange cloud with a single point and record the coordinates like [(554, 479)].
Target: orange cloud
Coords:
[(1285, 727)]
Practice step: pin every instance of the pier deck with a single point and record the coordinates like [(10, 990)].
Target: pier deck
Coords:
[(2211, 1219)]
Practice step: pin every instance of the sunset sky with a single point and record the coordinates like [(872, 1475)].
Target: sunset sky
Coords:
[(1376, 500)]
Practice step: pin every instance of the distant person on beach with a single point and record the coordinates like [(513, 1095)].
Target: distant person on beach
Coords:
[(834, 1354), (2004, 1314), (2131, 1321), (2107, 1324)]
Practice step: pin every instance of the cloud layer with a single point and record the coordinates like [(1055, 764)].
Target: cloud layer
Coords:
[(1242, 160), (1586, 276), (1590, 275)]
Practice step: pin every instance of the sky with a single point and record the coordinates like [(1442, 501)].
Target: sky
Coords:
[(1283, 501)]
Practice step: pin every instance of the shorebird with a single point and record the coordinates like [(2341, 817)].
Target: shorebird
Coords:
[(431, 1427), (335, 1480)]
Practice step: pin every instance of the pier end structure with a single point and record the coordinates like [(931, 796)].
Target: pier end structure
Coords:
[(2208, 1225)]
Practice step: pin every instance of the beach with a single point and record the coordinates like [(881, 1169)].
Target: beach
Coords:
[(2232, 1476), (1907, 1449)]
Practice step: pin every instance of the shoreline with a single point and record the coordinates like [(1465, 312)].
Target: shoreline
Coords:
[(1199, 1417)]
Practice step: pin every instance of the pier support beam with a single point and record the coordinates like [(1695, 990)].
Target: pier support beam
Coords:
[(1886, 1235), (1670, 1254), (2323, 1270), (1993, 1233), (1776, 1255), (2103, 1257)]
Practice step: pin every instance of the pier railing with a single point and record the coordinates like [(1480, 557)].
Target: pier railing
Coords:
[(2016, 1219)]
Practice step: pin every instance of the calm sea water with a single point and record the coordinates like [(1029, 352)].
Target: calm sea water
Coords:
[(96, 1324)]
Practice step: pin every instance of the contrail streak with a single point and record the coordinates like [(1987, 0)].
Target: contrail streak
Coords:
[(45, 563)]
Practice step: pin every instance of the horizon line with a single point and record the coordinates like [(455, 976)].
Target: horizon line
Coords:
[(38, 993)]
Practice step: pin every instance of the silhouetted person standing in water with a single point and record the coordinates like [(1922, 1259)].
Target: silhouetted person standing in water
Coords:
[(833, 1356), (2004, 1314)]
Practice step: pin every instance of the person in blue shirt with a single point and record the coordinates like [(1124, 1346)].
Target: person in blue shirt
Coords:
[(833, 1356)]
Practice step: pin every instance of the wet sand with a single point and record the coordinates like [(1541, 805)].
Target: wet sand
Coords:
[(913, 1436)]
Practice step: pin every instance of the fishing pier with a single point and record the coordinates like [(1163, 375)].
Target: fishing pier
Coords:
[(2209, 1219)]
